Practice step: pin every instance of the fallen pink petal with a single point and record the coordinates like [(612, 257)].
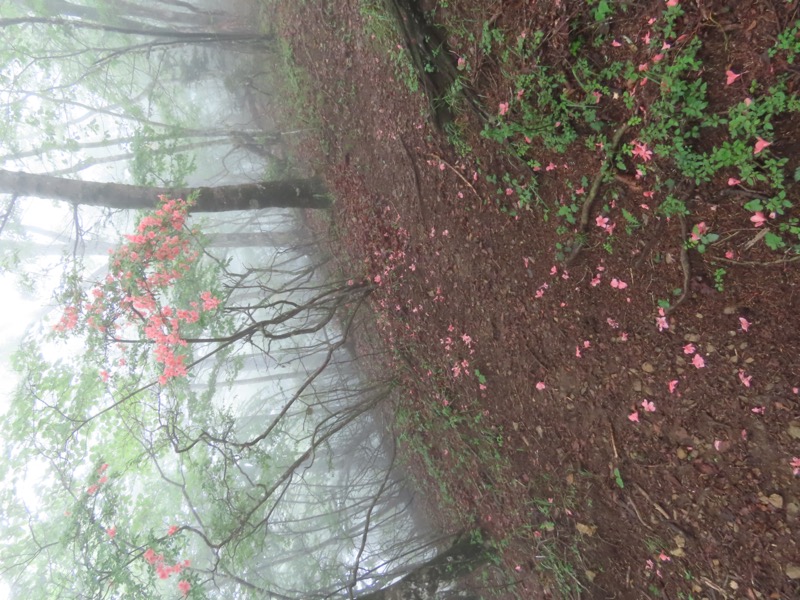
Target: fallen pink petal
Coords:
[(745, 379), (540, 386), (698, 361), (634, 416), (761, 144), (618, 284)]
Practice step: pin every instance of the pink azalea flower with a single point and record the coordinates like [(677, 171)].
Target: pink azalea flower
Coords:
[(111, 532), (672, 386), (795, 465), (672, 3), (503, 107), (648, 406), (616, 44), (733, 181), (641, 150), (184, 587), (698, 361), (744, 323), (731, 77), (634, 416), (662, 323), (540, 386), (689, 349), (758, 219), (760, 145)]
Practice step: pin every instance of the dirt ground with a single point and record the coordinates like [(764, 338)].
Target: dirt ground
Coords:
[(624, 466)]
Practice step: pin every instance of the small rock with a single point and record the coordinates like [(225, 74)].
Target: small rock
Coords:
[(680, 541), (691, 337), (710, 349), (792, 509), (734, 359), (590, 575), (729, 310), (637, 385), (794, 430), (793, 571), (585, 529), (648, 368), (733, 585), (681, 453), (776, 500)]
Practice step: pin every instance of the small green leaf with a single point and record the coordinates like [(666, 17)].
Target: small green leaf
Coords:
[(754, 206), (618, 478), (773, 241)]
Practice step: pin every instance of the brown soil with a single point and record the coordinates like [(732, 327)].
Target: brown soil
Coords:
[(710, 506)]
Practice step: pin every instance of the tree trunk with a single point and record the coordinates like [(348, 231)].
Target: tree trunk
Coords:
[(426, 581), (288, 193)]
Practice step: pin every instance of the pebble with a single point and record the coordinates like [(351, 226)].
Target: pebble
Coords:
[(681, 453), (691, 337), (776, 500), (794, 430), (793, 571), (648, 368), (729, 310)]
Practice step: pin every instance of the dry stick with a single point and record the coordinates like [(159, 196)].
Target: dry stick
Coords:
[(454, 170), (753, 263), (587, 204), (687, 272)]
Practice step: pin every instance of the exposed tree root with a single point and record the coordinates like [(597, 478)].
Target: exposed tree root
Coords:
[(590, 197)]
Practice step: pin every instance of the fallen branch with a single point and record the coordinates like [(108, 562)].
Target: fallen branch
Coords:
[(687, 272)]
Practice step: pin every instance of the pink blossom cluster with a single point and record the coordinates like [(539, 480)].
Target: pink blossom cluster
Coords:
[(152, 260)]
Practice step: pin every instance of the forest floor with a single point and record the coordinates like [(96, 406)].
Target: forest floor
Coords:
[(586, 269)]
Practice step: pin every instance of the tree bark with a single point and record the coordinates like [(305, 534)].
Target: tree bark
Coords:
[(288, 193)]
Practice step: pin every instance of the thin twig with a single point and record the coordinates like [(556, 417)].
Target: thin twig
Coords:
[(755, 263), (454, 170)]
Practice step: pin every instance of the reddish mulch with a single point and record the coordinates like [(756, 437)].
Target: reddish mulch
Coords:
[(710, 505)]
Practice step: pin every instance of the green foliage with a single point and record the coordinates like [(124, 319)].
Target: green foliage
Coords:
[(788, 42)]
